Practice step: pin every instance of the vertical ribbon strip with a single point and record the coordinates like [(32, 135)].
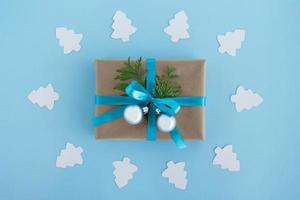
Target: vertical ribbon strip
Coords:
[(150, 85)]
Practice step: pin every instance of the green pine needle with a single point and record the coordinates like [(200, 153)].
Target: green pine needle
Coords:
[(165, 85), (130, 72)]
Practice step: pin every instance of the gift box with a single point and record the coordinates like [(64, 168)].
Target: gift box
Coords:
[(190, 120)]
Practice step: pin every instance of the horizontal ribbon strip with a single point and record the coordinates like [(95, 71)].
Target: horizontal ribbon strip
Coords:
[(114, 100), (125, 100), (108, 116)]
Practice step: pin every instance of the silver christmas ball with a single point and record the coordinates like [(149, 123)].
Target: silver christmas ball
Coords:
[(166, 123), (133, 114)]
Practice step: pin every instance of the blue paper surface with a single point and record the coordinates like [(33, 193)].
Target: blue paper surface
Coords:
[(266, 139)]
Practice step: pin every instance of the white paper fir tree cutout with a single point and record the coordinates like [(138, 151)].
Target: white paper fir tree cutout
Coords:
[(44, 96), (123, 172), (178, 27), (245, 99), (68, 39), (231, 41), (176, 174), (226, 158), (122, 28), (69, 156)]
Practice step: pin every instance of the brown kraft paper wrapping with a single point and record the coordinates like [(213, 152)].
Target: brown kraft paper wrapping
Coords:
[(190, 120)]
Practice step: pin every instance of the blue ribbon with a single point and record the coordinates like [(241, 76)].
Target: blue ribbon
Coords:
[(138, 95)]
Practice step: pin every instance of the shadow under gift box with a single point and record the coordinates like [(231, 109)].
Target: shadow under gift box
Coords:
[(190, 120)]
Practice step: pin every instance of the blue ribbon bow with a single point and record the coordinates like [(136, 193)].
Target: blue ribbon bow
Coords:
[(138, 95)]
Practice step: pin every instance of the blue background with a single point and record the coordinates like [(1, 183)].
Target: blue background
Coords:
[(266, 138)]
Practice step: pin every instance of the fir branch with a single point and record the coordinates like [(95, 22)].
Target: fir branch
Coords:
[(165, 85), (130, 72)]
